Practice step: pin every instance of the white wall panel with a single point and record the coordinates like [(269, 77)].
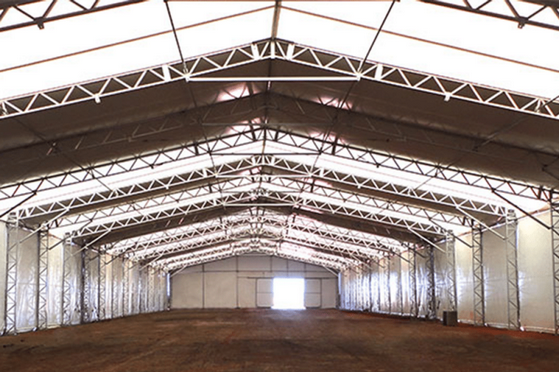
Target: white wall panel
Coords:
[(220, 290), (225, 286), (54, 273), (246, 292), (279, 264), (395, 285), (255, 263), (464, 280), (495, 273), (73, 255), (329, 293), (229, 264), (295, 266), (312, 300), (187, 291), (27, 277), (535, 274), (264, 293)]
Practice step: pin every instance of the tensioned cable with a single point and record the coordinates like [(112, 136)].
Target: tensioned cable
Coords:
[(185, 69)]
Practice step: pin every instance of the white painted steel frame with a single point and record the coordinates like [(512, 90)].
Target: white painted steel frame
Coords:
[(329, 62)]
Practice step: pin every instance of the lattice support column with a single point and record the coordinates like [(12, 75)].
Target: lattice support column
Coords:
[(125, 289), (399, 295), (151, 290), (451, 270), (66, 307), (114, 289), (513, 299), (42, 280), (414, 308), (11, 274), (478, 276), (167, 291), (431, 294), (102, 294), (387, 288), (85, 295), (554, 209)]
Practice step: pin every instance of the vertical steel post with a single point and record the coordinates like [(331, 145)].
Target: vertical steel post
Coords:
[(11, 274), (102, 285), (86, 288), (125, 289), (513, 308), (478, 276), (399, 295), (414, 308), (554, 210), (431, 294), (42, 282), (114, 289), (66, 281), (451, 270), (388, 294)]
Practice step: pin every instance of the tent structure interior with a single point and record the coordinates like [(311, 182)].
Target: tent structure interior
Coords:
[(402, 157)]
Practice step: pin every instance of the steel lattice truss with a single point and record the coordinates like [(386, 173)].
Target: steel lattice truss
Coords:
[(335, 67), (51, 10), (258, 167), (258, 245), (516, 11), (255, 223)]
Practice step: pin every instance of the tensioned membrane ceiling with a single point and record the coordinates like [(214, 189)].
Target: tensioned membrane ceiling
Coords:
[(333, 132)]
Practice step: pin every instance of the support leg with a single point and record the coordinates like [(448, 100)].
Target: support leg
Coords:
[(513, 308), (414, 309), (479, 283), (42, 282), (554, 209), (451, 271)]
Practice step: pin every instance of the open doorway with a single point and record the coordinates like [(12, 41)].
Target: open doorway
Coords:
[(289, 294)]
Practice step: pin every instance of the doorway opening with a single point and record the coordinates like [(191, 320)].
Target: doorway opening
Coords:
[(289, 294)]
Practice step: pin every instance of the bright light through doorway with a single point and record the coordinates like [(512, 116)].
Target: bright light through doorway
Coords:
[(289, 294)]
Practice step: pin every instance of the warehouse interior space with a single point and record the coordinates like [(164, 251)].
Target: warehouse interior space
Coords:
[(272, 178)]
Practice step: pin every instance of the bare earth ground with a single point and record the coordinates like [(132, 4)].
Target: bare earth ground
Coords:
[(272, 340)]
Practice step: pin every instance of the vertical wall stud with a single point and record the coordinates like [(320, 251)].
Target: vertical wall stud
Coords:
[(67, 281), (431, 296), (399, 295), (554, 208), (11, 274), (478, 276), (85, 295), (42, 282), (513, 308), (414, 308), (114, 289), (125, 289), (102, 285), (387, 289), (451, 271)]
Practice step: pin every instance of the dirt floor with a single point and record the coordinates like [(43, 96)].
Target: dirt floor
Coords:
[(273, 340)]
